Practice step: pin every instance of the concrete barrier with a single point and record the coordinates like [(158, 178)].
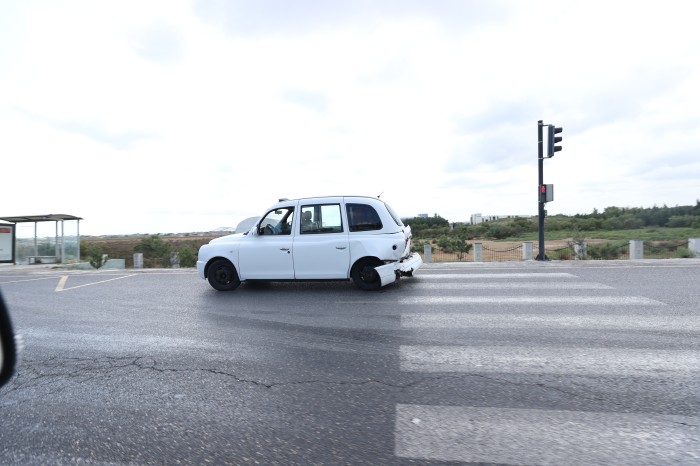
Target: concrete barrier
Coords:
[(694, 247), (114, 264), (478, 252), (636, 249)]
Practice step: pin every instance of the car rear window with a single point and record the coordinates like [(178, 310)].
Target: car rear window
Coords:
[(394, 215)]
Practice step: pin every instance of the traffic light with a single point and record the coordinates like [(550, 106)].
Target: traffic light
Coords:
[(553, 140), (546, 193)]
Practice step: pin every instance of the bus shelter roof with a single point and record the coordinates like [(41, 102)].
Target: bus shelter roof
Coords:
[(39, 218)]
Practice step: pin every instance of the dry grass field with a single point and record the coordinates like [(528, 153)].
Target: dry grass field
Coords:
[(123, 247)]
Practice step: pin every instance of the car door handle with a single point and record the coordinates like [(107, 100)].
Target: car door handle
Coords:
[(284, 249), (341, 247)]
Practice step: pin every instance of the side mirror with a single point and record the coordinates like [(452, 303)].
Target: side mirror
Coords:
[(8, 352)]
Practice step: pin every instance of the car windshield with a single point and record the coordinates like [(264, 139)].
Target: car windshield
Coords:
[(277, 222)]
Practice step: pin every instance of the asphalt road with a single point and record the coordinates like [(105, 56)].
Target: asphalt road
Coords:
[(521, 363)]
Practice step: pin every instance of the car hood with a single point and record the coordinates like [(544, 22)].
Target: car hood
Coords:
[(245, 225), (228, 238), (242, 229)]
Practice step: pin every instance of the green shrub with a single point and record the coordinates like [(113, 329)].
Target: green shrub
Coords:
[(156, 251), (418, 246), (93, 253), (623, 222), (606, 251), (565, 254), (456, 245), (680, 221), (188, 258), (499, 230)]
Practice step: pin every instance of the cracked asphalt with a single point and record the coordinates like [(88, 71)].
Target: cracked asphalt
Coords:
[(155, 367)]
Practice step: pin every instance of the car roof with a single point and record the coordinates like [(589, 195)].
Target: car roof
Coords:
[(284, 201)]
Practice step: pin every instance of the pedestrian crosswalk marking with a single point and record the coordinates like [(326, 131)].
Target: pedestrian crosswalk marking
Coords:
[(469, 276), (544, 437), (512, 285), (549, 360), (558, 321), (539, 436), (539, 300)]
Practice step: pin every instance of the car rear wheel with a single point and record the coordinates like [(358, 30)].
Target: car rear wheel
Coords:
[(365, 276), (222, 275)]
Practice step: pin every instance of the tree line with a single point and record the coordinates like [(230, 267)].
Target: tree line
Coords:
[(610, 219)]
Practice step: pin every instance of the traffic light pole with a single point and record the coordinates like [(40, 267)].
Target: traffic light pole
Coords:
[(541, 256)]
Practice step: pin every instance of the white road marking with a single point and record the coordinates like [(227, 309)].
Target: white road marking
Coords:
[(537, 300), (127, 342), (469, 276), (62, 282), (540, 321), (26, 280), (549, 360), (511, 285), (543, 437)]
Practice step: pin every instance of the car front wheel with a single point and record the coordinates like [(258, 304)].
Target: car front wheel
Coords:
[(222, 275), (365, 276)]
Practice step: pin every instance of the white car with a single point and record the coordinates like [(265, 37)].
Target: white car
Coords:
[(319, 238)]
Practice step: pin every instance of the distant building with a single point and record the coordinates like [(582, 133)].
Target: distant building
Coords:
[(479, 218), (422, 216)]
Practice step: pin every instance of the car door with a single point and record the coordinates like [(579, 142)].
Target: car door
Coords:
[(267, 255), (321, 242)]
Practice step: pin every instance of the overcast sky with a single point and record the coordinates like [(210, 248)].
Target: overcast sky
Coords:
[(179, 116)]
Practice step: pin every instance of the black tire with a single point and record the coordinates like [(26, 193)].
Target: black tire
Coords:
[(222, 275), (364, 276)]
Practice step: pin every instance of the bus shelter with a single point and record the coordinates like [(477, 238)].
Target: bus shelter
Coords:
[(32, 239)]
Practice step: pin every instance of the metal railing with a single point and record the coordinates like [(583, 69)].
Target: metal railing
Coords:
[(607, 250), (666, 249), (498, 255)]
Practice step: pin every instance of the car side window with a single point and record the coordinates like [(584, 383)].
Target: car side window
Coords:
[(321, 218), (363, 217), (277, 222)]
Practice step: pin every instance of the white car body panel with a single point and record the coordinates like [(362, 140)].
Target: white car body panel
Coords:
[(320, 253), (323, 256), (266, 258)]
